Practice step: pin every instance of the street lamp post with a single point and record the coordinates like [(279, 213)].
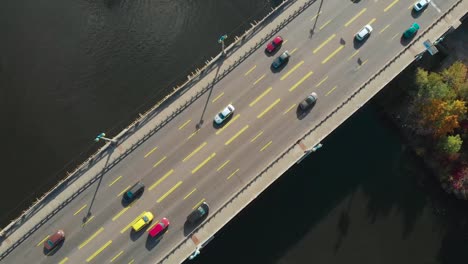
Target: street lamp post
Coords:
[(221, 40), (103, 137)]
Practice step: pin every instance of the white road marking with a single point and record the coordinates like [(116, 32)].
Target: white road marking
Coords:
[(434, 5)]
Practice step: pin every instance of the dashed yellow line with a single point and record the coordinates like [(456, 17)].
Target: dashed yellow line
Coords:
[(324, 25), (131, 261), (194, 152), (324, 43), (169, 192), (204, 162), (217, 97), (184, 124), (316, 16), (116, 256), (124, 190), (131, 223), (356, 16), (292, 70), (151, 151), (232, 174), (228, 124), (193, 134), (294, 50), (159, 162), (79, 210), (329, 92), (224, 164), (259, 134), (91, 238), (269, 108), (260, 96), (120, 213), (266, 146), (300, 81), (362, 64), (383, 29), (333, 54), (98, 251), (63, 260), (190, 193), (289, 109), (372, 21), (322, 81), (354, 54), (198, 204), (114, 181), (259, 79), (394, 36), (236, 135), (42, 241), (390, 5), (249, 71), (87, 221), (161, 179)]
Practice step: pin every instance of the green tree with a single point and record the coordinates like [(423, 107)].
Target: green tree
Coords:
[(455, 77), (432, 86), (450, 144)]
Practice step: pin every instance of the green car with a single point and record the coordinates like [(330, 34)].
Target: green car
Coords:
[(410, 32)]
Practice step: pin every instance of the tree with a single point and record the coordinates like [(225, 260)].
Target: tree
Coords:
[(455, 77), (450, 144), (432, 86), (439, 117)]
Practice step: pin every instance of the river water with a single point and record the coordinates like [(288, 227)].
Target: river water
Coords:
[(72, 69)]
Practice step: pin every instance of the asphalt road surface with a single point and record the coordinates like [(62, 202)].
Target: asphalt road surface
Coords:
[(182, 166)]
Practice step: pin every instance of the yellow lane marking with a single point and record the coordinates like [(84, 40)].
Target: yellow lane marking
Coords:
[(224, 164), (217, 97), (291, 70), (395, 35), (390, 5), (91, 238), (284, 42), (316, 16), (232, 174), (98, 251), (362, 64), (124, 190), (289, 109), (268, 108), (236, 135), (131, 262), (300, 81), (195, 151), (116, 256), (87, 221), (329, 92), (354, 54), (372, 21), (260, 96), (184, 124), (259, 79), (333, 54), (198, 204), (169, 192), (131, 223), (383, 29), (324, 25), (322, 81), (356, 16), (79, 210), (204, 162), (63, 260), (42, 241), (324, 43), (190, 193), (293, 51), (112, 183), (121, 212), (249, 71), (266, 146), (193, 134), (259, 134), (162, 179), (227, 125), (151, 151), (161, 160), (151, 226)]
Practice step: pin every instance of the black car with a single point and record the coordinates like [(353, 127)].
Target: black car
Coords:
[(198, 213), (134, 192), (281, 60)]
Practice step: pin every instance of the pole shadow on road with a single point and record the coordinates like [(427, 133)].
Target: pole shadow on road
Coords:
[(312, 30)]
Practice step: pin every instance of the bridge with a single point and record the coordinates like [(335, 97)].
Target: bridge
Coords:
[(184, 160)]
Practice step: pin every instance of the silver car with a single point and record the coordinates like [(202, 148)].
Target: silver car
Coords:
[(364, 32), (308, 102), (223, 115), (421, 5)]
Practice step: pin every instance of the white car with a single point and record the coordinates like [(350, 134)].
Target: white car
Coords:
[(364, 32), (421, 5), (223, 115)]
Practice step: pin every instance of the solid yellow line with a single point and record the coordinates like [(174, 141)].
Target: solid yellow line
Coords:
[(203, 163), (322, 81), (112, 183), (249, 71), (390, 5), (63, 260), (236, 135), (193, 134), (260, 96), (116, 256), (151, 151), (79, 210), (294, 50), (169, 192), (329, 92), (324, 43), (259, 79), (90, 238), (162, 179), (217, 97), (259, 134), (266, 146), (98, 251), (289, 109), (194, 152), (356, 16), (315, 16), (124, 190), (87, 221), (161, 160), (232, 174), (42, 241), (227, 125), (268, 108), (372, 21), (183, 125), (190, 193), (380, 32), (291, 70), (224, 164), (333, 54), (198, 204), (120, 213), (354, 54), (324, 25), (300, 81)]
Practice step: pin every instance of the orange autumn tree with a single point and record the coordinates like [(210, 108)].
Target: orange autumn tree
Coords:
[(442, 117)]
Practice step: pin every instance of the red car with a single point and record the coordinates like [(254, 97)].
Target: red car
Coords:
[(159, 227), (272, 46), (54, 239)]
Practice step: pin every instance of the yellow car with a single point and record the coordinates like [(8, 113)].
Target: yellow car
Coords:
[(142, 221)]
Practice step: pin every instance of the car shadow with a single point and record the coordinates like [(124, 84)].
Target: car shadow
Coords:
[(358, 44), (301, 114), (152, 242), (136, 235), (405, 41), (273, 53), (280, 68), (416, 14), (54, 250), (189, 227)]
